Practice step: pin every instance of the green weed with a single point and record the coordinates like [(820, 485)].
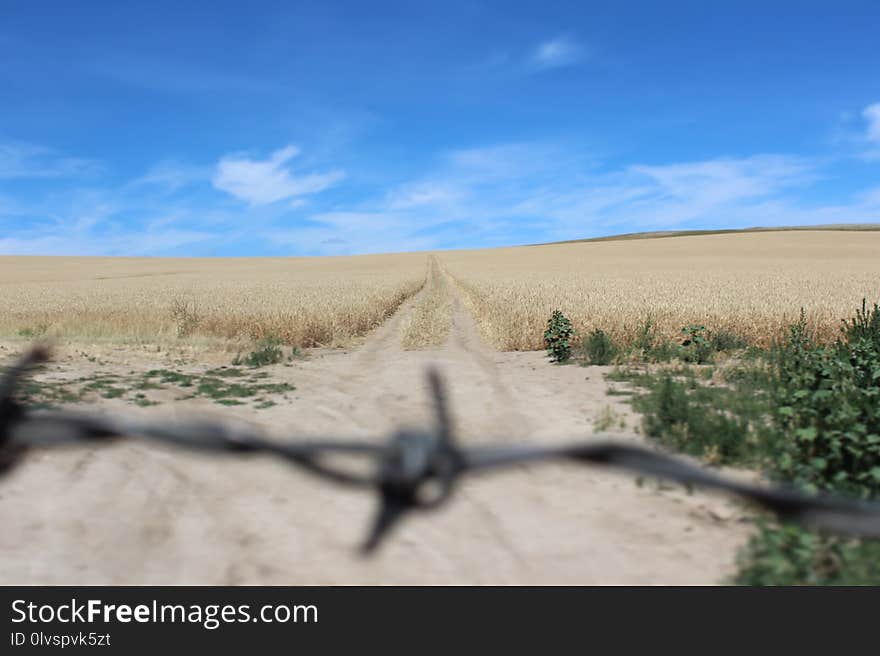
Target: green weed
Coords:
[(558, 337), (805, 412), (791, 555), (599, 348)]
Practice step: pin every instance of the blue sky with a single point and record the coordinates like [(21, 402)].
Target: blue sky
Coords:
[(304, 128)]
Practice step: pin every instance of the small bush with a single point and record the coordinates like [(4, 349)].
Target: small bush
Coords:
[(558, 337), (724, 425), (599, 348), (825, 408), (865, 326), (695, 347), (806, 412), (791, 555), (666, 408), (723, 341), (268, 352)]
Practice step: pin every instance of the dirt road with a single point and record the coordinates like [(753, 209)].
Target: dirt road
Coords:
[(135, 514)]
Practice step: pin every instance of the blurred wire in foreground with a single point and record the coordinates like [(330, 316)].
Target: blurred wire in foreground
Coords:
[(413, 470)]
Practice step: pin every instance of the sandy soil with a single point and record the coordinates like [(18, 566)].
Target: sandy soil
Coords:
[(137, 514)]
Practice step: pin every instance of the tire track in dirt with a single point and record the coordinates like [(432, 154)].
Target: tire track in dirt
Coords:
[(390, 380), (482, 403)]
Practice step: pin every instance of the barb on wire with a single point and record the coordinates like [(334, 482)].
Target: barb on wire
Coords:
[(414, 470)]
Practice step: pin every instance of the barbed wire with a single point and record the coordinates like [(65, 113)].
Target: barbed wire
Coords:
[(413, 470)]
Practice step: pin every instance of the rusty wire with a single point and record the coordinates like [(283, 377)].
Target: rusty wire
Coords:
[(413, 470)]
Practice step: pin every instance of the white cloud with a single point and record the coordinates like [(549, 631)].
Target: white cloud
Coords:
[(261, 182), (561, 51), (489, 195)]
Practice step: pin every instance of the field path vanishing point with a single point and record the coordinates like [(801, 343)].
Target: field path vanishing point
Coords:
[(135, 514)]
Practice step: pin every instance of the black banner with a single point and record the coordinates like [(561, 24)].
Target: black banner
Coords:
[(149, 619)]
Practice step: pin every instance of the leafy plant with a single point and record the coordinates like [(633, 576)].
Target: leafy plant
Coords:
[(807, 412), (723, 425), (599, 348), (558, 337), (791, 555), (223, 385), (826, 401), (865, 326), (268, 352), (696, 347)]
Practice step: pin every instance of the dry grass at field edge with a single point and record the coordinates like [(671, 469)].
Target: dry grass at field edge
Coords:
[(752, 285), (303, 301)]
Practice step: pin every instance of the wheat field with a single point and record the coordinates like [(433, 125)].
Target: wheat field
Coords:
[(308, 301), (750, 284)]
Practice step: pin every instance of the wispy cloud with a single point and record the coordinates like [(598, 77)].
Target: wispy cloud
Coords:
[(511, 193), (557, 52), (261, 182), (172, 175), (23, 160), (172, 209), (490, 195), (722, 180)]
